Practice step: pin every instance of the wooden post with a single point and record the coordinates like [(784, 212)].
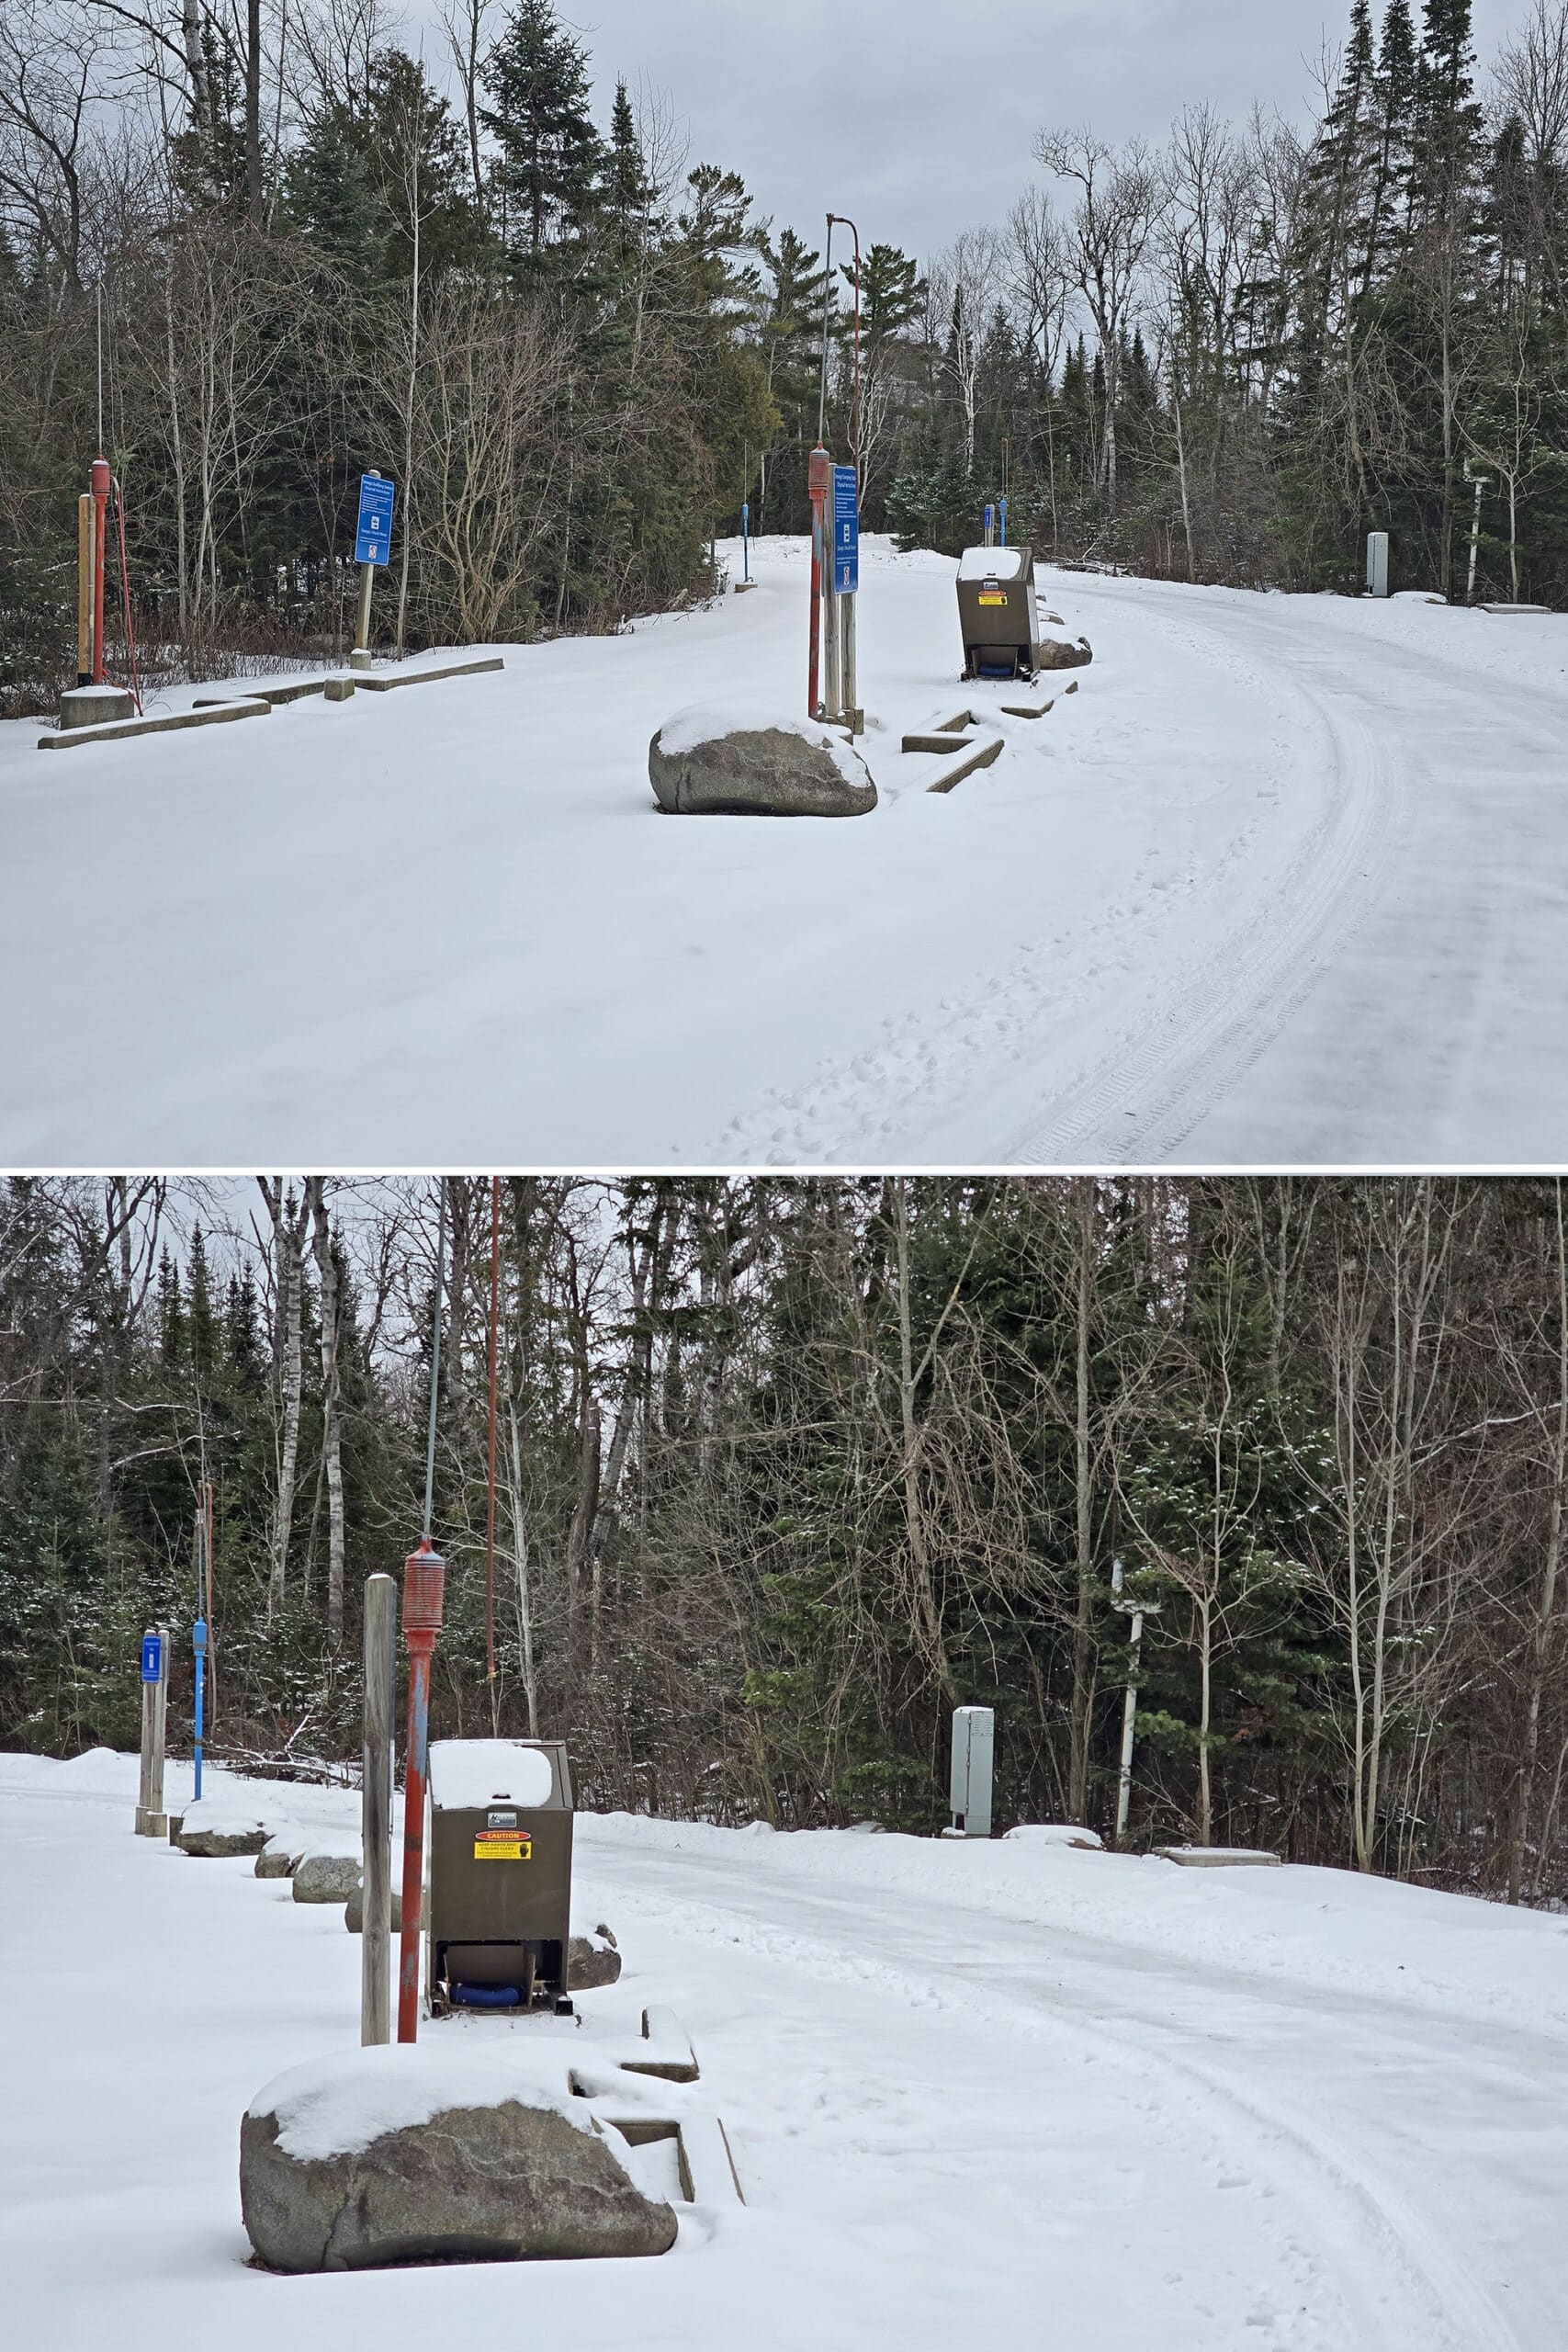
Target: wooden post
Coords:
[(855, 718), (360, 657), (151, 1821), (85, 589), (832, 684), (376, 1810)]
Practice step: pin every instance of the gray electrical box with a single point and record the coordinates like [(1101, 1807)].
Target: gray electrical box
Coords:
[(973, 1733), (500, 1813), (1377, 563)]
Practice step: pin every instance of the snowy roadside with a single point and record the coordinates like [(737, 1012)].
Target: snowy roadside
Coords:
[(1286, 879), (1197, 2110)]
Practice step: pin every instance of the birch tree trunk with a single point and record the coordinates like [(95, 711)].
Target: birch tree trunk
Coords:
[(332, 1399), (288, 1226)]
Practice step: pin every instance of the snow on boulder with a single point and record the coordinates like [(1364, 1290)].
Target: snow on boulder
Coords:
[(229, 1822), (278, 1856), (713, 762), (407, 2154), (1054, 653), (592, 1961), (1054, 1833), (327, 1876), (1217, 1858)]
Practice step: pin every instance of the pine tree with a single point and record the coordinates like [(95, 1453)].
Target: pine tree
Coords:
[(551, 155)]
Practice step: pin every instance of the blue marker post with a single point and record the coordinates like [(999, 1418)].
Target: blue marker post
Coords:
[(199, 1637), (372, 546), (990, 526), (1003, 512), (151, 1819)]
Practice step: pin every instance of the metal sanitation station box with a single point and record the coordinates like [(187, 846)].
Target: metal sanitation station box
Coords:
[(997, 612), (500, 1874)]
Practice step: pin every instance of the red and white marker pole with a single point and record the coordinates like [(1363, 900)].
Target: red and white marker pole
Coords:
[(425, 1577)]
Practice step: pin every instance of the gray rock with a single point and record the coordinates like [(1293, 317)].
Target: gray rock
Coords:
[(218, 1845), (759, 771), (325, 1878), (1051, 653), (276, 1859), (353, 1911), (488, 2183), (592, 1961)]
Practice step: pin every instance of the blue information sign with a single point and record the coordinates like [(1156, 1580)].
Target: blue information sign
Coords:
[(846, 532), (152, 1657), (373, 540)]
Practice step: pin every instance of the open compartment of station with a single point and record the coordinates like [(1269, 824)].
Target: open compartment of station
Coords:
[(501, 1816)]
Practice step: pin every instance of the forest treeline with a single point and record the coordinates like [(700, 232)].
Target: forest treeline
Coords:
[(788, 1468), (1223, 359)]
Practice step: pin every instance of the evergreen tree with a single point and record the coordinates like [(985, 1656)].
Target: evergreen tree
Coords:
[(551, 155)]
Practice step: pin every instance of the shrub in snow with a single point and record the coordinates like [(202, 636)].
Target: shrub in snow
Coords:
[(724, 762), (405, 2153)]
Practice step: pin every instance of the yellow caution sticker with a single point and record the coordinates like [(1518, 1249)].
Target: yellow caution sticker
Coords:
[(502, 1845), (999, 597)]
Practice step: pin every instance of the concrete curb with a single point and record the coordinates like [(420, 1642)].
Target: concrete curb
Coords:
[(214, 715)]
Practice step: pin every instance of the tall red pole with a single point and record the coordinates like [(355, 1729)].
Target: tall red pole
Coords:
[(424, 1576), (100, 481), (489, 1488), (818, 480)]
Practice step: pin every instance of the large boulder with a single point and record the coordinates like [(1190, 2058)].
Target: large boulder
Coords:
[(353, 1911), (592, 1961), (404, 2154), (1052, 653), (225, 1824), (716, 764), (277, 1857), (325, 1877)]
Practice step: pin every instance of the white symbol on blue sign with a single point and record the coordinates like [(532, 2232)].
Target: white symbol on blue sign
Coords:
[(846, 532), (373, 537), (152, 1658)]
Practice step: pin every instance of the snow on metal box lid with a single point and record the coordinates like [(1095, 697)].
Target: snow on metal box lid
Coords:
[(990, 563), (467, 1773)]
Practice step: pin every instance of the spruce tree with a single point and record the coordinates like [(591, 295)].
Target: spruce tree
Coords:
[(551, 155)]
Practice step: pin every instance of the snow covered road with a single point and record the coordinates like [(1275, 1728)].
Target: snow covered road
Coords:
[(1011, 2090), (1285, 881)]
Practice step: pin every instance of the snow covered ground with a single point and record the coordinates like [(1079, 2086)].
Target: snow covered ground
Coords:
[(1009, 2094), (1285, 881)]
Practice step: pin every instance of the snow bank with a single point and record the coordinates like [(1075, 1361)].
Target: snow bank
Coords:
[(709, 722), (334, 2106), (465, 1772)]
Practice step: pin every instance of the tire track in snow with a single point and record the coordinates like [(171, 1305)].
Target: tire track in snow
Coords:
[(1320, 2176), (1161, 1016), (1183, 1048)]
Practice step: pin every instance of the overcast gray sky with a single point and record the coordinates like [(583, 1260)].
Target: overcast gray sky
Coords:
[(908, 116)]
